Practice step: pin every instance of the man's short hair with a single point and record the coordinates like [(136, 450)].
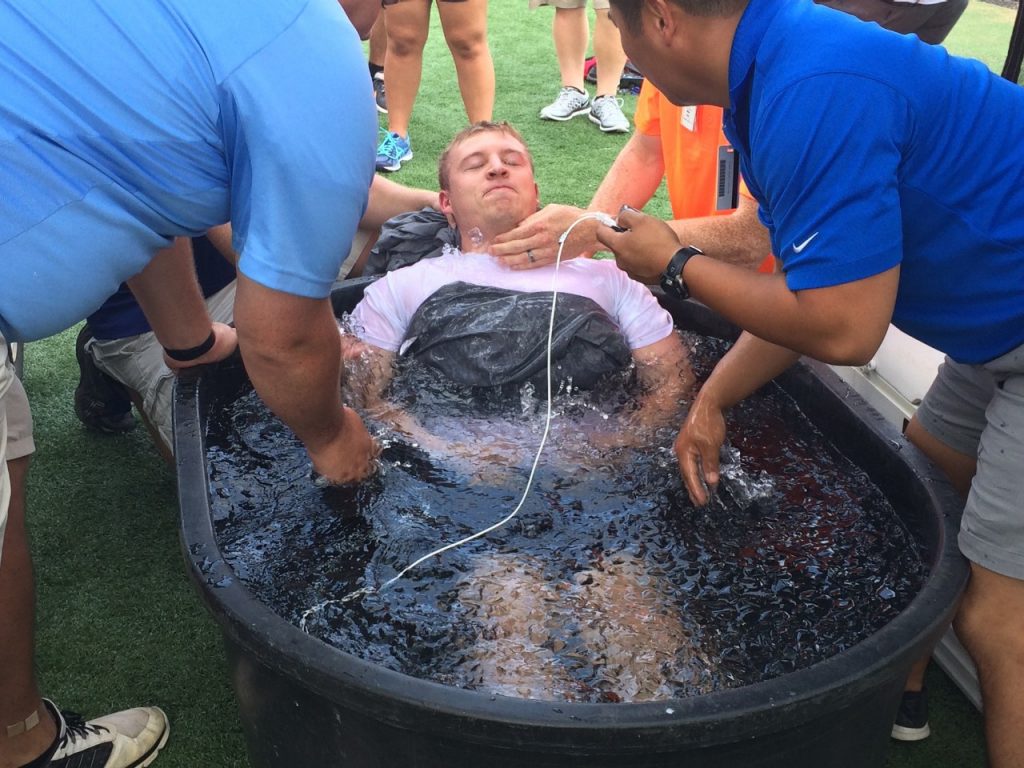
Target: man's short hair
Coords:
[(630, 10), (484, 126)]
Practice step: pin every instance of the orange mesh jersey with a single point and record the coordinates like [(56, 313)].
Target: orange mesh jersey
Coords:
[(690, 140)]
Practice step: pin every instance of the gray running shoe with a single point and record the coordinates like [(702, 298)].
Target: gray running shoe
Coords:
[(570, 103), (606, 113)]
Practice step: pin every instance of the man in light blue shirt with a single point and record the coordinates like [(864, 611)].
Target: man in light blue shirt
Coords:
[(125, 125)]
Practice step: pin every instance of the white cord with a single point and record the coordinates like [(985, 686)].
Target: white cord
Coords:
[(603, 218)]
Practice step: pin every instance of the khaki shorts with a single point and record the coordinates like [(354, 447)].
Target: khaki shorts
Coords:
[(138, 363), (599, 5), (978, 410), (15, 430)]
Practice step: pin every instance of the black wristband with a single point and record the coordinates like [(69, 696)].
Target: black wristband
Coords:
[(672, 278), (192, 353)]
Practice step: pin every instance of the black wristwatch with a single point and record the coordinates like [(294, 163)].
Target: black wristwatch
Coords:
[(672, 278)]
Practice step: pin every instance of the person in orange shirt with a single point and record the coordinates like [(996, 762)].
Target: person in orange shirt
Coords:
[(711, 206)]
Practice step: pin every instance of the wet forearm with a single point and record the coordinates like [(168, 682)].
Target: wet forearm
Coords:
[(291, 352)]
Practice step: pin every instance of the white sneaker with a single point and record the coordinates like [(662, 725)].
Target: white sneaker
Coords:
[(128, 739), (606, 113), (570, 102)]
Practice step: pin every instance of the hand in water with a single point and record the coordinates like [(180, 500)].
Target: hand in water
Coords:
[(645, 248), (697, 449), (350, 457), (225, 341)]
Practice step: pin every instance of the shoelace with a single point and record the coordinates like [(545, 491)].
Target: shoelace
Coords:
[(604, 104), (77, 728), (390, 148), (569, 97)]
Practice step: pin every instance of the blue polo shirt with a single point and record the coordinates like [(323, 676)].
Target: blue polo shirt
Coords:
[(123, 124), (866, 150)]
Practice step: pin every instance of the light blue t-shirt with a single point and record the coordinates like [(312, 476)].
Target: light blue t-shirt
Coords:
[(867, 149), (125, 123)]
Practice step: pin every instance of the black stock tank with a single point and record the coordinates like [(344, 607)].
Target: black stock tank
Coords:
[(305, 703)]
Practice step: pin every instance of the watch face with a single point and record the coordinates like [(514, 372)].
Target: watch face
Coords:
[(672, 278), (674, 286)]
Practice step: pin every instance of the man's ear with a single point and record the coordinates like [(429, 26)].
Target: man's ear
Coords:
[(445, 202), (658, 13)]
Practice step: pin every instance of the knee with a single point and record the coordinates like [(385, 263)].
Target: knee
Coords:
[(990, 632), (404, 44), (467, 47)]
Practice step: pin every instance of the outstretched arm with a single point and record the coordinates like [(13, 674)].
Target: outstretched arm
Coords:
[(290, 347), (735, 238), (750, 364), (666, 378), (633, 179), (841, 324), (368, 372), (388, 198)]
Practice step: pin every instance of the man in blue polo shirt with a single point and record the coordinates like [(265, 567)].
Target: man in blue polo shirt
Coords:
[(889, 175), (124, 126)]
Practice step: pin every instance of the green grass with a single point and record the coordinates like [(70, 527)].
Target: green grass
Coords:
[(983, 33), (119, 623)]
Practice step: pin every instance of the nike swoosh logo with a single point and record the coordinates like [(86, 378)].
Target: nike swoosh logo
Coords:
[(804, 244)]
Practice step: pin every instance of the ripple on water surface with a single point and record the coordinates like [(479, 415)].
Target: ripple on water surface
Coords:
[(608, 585)]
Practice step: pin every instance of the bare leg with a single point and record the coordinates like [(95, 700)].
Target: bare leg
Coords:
[(611, 59), (959, 468), (635, 633), (407, 24), (991, 624), (516, 611), (571, 31), (17, 636), (465, 30)]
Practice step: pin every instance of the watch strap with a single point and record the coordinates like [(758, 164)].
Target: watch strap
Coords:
[(672, 278)]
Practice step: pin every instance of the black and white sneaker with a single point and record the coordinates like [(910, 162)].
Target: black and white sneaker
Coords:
[(379, 94), (912, 719), (128, 739), (101, 403)]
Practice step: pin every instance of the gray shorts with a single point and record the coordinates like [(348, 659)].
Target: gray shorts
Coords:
[(599, 5), (978, 410), (15, 429)]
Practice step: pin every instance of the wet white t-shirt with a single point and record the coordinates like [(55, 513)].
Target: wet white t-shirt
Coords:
[(384, 314)]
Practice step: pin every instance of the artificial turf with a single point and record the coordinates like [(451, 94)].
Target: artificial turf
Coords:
[(119, 624)]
